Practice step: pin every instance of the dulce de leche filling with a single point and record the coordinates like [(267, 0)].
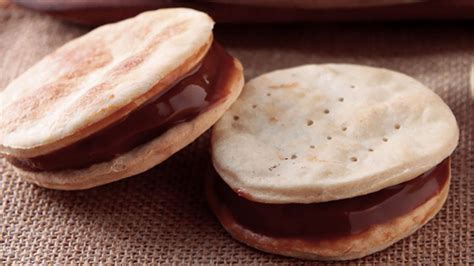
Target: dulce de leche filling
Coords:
[(333, 219), (183, 101)]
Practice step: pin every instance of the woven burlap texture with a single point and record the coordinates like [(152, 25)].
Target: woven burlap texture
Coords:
[(161, 216)]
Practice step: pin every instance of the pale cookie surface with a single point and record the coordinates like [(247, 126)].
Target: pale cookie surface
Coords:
[(324, 132), (94, 76)]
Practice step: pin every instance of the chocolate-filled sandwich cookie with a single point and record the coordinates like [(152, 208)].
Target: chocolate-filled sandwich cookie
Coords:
[(330, 162), (118, 100)]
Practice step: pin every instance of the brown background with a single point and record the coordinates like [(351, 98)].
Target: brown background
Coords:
[(162, 216)]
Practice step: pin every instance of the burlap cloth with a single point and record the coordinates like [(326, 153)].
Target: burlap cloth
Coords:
[(162, 216)]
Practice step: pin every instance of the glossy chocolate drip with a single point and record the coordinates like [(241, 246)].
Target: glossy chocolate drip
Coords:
[(333, 219), (182, 102)]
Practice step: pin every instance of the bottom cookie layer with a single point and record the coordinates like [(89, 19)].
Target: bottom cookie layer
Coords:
[(351, 246)]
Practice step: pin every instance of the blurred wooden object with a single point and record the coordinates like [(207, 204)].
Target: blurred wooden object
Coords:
[(316, 4), (91, 12), (4, 3)]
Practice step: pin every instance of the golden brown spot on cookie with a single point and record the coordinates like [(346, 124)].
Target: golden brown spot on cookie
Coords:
[(130, 63), (83, 59), (285, 85), (309, 122), (76, 62), (90, 96), (397, 126), (134, 61), (127, 65), (36, 104), (270, 111), (354, 159), (273, 119), (236, 117), (165, 34)]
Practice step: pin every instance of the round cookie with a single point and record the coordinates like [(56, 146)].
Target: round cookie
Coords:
[(325, 132), (142, 157), (322, 134), (100, 79), (96, 79)]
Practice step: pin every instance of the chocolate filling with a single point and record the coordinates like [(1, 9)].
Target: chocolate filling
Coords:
[(183, 101), (333, 219)]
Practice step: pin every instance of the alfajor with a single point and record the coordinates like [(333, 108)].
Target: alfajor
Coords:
[(330, 162), (118, 100)]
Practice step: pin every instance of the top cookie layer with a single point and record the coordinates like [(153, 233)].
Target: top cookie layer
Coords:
[(69, 94), (325, 132)]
